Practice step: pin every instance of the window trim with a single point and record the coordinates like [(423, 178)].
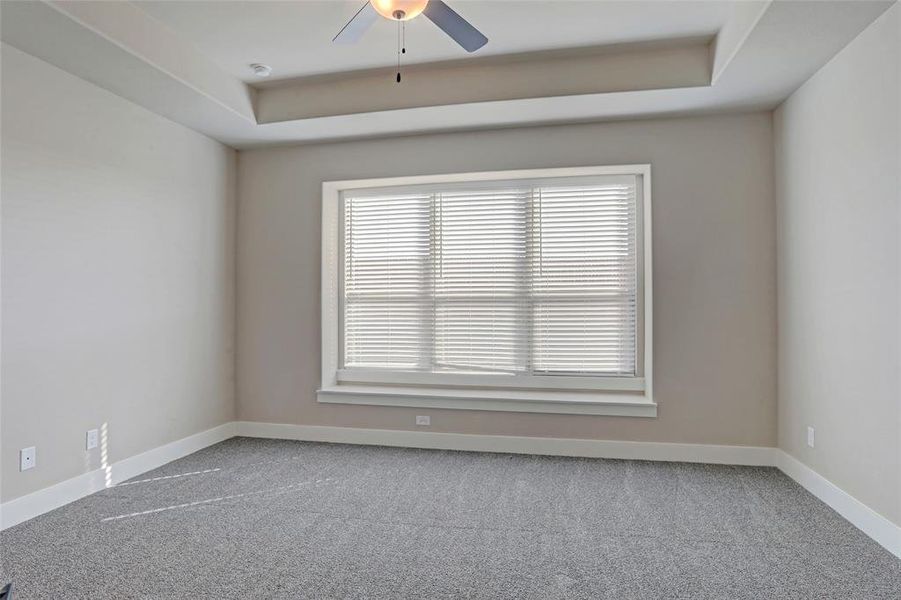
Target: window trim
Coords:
[(608, 395), (491, 380)]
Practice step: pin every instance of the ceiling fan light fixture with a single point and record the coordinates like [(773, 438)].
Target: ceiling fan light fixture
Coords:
[(437, 11), (399, 10)]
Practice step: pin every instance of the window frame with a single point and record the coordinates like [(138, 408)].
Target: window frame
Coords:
[(626, 395)]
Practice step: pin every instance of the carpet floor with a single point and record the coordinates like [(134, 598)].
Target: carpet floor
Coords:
[(260, 519)]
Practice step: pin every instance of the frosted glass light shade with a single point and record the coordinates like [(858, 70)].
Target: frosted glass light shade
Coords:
[(388, 8)]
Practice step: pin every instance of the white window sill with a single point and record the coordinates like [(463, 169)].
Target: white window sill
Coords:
[(539, 401)]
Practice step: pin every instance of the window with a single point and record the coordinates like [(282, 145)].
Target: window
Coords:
[(522, 290)]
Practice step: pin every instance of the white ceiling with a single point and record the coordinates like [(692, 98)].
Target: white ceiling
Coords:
[(188, 61), (294, 38)]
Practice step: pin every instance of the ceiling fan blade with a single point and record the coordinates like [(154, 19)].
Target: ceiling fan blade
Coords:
[(357, 26), (454, 25)]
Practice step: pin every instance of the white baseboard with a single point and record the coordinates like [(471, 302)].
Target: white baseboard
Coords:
[(37, 503), (696, 453), (883, 531)]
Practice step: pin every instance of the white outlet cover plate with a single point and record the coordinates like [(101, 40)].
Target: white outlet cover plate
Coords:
[(423, 420), (92, 439), (27, 458)]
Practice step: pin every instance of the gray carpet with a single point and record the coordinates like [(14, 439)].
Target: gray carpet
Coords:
[(256, 519)]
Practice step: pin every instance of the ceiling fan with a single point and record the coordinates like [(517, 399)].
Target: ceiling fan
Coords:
[(439, 13)]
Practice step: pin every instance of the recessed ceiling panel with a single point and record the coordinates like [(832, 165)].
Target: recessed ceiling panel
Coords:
[(295, 38)]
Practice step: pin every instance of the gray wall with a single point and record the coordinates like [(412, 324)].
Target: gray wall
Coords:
[(837, 162), (118, 275), (714, 280)]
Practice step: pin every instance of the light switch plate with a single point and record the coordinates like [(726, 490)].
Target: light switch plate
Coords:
[(810, 436), (92, 439), (27, 458)]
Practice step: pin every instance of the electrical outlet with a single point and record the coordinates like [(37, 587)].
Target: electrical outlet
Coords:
[(92, 440), (810, 436), (423, 420), (27, 458)]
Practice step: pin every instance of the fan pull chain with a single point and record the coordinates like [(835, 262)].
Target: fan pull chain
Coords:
[(401, 40), (398, 49)]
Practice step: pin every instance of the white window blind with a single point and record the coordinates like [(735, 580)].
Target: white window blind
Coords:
[(529, 278)]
